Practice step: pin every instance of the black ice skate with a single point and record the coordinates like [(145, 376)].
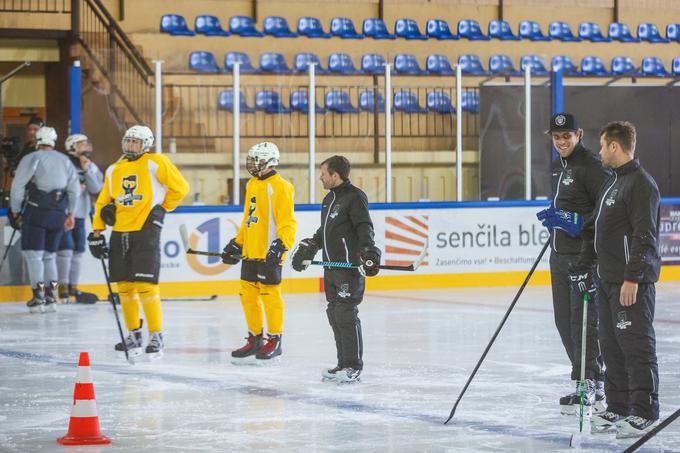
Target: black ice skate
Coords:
[(633, 426), (348, 376), (82, 297), (330, 374), (51, 296), (247, 353), (571, 404), (37, 303), (270, 350), (154, 349), (600, 405), (605, 423), (63, 294), (133, 343)]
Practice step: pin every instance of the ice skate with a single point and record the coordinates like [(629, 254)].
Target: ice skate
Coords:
[(633, 426), (51, 296), (330, 374), (600, 405), (154, 349), (63, 294), (37, 302), (270, 351), (571, 404), (605, 422), (246, 354), (133, 343), (348, 376), (82, 297)]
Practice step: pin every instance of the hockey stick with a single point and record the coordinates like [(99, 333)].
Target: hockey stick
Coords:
[(113, 298), (507, 313), (339, 264), (576, 438), (4, 256), (184, 236), (653, 432)]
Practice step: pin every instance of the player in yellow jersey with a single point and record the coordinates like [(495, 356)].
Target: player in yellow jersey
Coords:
[(138, 190), (267, 232)]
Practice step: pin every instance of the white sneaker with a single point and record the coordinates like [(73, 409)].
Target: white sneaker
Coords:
[(633, 426)]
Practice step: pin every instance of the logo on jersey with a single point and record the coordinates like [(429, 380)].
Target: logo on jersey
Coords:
[(567, 179), (611, 199), (251, 218), (623, 321), (344, 291), (334, 213), (129, 185)]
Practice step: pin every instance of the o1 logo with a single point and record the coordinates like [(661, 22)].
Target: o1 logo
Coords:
[(211, 265)]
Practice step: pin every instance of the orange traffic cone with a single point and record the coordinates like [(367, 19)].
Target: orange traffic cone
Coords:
[(83, 428)]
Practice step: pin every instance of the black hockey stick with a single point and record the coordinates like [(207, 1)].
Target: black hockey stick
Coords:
[(113, 298), (339, 264), (507, 313), (4, 256), (184, 236), (653, 432)]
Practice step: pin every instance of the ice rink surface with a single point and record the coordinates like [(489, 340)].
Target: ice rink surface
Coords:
[(420, 347)]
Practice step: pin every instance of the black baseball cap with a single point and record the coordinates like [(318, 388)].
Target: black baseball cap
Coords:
[(563, 122)]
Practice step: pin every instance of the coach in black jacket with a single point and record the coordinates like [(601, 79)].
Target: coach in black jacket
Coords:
[(345, 235), (577, 177), (623, 237)]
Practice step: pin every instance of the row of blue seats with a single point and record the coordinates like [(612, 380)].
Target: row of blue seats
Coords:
[(339, 101), (340, 63), (343, 27)]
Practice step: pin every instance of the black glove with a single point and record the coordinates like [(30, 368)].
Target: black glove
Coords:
[(15, 220), (370, 260), (108, 214), (306, 250), (582, 281), (97, 245), (232, 253), (274, 254)]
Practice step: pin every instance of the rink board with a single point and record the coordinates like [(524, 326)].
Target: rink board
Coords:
[(471, 244)]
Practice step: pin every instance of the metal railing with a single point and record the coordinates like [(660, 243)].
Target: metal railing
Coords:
[(35, 6), (129, 75)]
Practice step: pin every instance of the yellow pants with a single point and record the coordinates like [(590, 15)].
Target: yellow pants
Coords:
[(149, 294), (256, 298)]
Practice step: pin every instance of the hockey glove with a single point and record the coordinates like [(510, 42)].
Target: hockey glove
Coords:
[(274, 254), (232, 253), (544, 214), (97, 245), (582, 281), (108, 214), (567, 221), (15, 220), (306, 250), (370, 260)]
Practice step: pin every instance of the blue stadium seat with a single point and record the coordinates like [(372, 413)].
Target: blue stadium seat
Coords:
[(407, 64), (367, 104), (621, 32), (341, 63), (653, 67), (373, 63), (339, 102), (673, 32), (439, 29), (470, 29), (245, 66), (209, 26), (243, 26), (270, 102), (593, 66), (376, 29), (536, 64), (529, 29), (562, 31), (648, 32), (273, 62), (471, 65), (676, 66), (564, 63), (408, 29), (302, 61), (311, 27), (226, 102), (407, 101), (623, 65), (203, 62), (470, 101), (591, 32), (439, 102), (502, 64), (278, 26), (175, 25), (299, 102), (438, 64), (500, 29), (344, 28)]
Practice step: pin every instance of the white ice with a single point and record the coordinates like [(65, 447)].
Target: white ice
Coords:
[(420, 347)]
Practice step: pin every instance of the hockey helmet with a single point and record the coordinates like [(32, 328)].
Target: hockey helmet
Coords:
[(46, 136), (73, 139), (261, 157), (137, 132)]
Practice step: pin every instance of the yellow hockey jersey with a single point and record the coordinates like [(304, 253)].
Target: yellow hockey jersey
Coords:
[(136, 187), (268, 214)]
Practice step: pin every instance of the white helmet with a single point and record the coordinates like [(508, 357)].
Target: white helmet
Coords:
[(46, 136), (137, 132), (73, 139), (261, 157)]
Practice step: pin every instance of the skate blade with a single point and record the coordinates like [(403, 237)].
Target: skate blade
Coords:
[(567, 410), (629, 435), (606, 429), (152, 356), (132, 353), (268, 362), (243, 361), (38, 309), (51, 308)]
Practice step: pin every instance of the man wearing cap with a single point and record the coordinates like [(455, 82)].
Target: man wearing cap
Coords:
[(577, 177)]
